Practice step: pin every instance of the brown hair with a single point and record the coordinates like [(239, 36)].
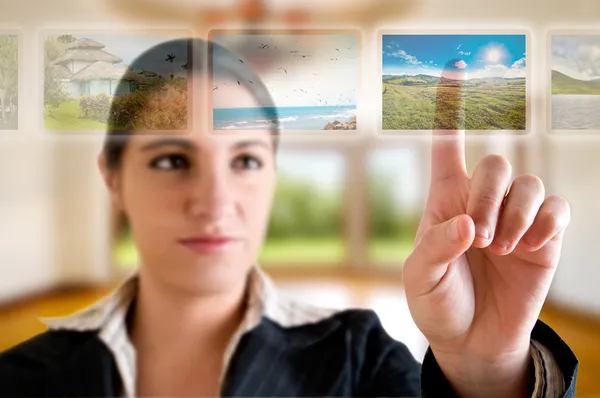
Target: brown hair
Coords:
[(200, 53)]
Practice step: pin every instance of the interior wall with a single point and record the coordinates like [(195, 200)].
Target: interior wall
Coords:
[(26, 224), (53, 208)]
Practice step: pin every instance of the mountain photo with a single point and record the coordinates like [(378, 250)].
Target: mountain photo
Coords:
[(493, 92), (575, 78)]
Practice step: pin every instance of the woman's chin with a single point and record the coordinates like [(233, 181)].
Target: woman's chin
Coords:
[(215, 267), (206, 275)]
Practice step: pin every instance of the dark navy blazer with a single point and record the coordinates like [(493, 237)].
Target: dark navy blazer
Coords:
[(347, 354)]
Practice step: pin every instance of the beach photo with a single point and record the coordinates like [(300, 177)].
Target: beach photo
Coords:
[(312, 78), (9, 82), (575, 82), (87, 74), (492, 89)]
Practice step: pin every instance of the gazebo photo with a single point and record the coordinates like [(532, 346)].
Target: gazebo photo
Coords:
[(82, 76)]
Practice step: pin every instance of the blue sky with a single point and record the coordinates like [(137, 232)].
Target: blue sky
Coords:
[(483, 55)]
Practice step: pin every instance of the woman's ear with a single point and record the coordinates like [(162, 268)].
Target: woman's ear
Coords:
[(111, 180)]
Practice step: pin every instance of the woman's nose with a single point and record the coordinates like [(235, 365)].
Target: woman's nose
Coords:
[(211, 196)]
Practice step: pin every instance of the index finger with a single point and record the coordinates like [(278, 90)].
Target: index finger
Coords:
[(448, 136)]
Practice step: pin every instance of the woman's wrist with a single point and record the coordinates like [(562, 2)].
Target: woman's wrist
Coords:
[(471, 377)]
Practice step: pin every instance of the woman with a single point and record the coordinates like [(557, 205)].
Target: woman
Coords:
[(201, 319)]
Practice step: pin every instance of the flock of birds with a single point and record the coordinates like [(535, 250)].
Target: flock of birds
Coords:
[(282, 69), (170, 57)]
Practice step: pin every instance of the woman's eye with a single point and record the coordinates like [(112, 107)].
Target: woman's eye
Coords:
[(247, 162), (170, 162)]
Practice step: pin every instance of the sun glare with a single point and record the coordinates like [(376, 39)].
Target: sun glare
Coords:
[(493, 55)]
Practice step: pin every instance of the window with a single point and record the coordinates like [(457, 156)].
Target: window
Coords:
[(393, 203), (85, 87), (307, 217), (324, 216), (124, 254)]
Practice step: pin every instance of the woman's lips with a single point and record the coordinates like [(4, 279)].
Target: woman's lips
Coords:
[(210, 244)]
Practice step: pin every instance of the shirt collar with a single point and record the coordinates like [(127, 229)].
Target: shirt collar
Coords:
[(108, 317), (109, 313)]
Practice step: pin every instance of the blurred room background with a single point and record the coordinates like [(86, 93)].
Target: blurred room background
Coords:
[(346, 209)]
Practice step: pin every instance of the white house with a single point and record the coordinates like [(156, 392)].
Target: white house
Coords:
[(87, 69)]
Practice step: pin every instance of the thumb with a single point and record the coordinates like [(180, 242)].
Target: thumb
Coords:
[(439, 245)]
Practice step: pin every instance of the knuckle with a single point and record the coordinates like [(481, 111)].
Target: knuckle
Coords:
[(548, 221), (558, 210), (497, 164), (561, 203), (519, 215), (530, 180), (490, 200)]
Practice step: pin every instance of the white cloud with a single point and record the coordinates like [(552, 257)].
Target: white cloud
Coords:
[(461, 64), (500, 70), (461, 52), (516, 72), (577, 56), (410, 59), (520, 63)]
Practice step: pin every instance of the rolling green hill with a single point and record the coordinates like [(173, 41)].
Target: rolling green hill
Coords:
[(409, 103), (563, 84)]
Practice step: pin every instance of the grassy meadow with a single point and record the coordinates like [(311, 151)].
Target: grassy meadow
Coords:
[(409, 103), (66, 117)]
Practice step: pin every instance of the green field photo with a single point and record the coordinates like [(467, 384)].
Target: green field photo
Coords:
[(492, 96)]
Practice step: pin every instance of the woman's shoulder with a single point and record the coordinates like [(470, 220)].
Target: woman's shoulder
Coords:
[(41, 354), (58, 363)]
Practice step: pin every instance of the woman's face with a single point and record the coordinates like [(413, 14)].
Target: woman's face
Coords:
[(198, 204)]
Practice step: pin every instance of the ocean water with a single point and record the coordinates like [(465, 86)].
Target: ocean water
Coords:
[(290, 118), (575, 112)]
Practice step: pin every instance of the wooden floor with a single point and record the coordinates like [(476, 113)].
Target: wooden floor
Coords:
[(19, 322)]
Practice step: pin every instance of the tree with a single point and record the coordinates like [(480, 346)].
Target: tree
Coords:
[(66, 39), (9, 70), (54, 91)]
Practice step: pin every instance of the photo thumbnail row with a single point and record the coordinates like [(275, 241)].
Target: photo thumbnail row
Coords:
[(305, 81)]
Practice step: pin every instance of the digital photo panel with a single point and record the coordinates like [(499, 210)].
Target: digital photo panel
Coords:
[(118, 80), (485, 76), (9, 81), (310, 79), (575, 82)]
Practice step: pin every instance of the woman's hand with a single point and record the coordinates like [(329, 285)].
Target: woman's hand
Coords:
[(483, 261)]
